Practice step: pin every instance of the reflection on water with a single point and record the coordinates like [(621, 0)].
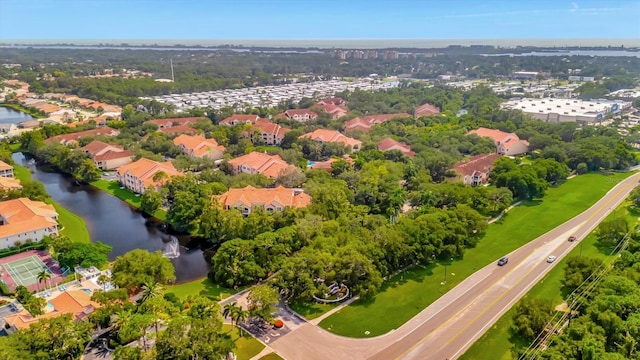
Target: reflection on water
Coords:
[(115, 223)]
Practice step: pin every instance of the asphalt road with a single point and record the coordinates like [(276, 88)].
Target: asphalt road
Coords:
[(449, 326)]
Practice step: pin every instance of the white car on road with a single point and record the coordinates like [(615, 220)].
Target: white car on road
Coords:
[(551, 259)]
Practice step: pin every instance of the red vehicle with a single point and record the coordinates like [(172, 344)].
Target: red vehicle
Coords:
[(572, 238)]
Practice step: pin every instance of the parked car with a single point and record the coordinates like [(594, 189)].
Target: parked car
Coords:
[(572, 238), (503, 261), (551, 259)]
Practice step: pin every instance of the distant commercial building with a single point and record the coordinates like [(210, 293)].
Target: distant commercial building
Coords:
[(525, 75), (566, 110)]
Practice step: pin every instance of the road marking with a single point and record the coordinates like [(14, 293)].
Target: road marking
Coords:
[(623, 188)]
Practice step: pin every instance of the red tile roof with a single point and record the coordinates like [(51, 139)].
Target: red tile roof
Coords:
[(426, 110), (169, 122), (269, 165), (387, 144), (276, 197), (366, 122), (479, 163), (236, 119), (267, 127), (325, 135), (73, 137)]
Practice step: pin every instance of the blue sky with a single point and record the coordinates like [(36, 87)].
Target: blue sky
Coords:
[(313, 19)]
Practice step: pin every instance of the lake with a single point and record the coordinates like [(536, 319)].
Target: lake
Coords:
[(11, 116)]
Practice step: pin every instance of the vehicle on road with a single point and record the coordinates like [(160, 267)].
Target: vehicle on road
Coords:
[(551, 259), (503, 261), (572, 238)]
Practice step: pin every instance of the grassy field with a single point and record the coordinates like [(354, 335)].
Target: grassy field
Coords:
[(246, 346), (126, 195), (74, 226), (311, 310), (408, 293), (200, 287), (272, 356), (498, 341)]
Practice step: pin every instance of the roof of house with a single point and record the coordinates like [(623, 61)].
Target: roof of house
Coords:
[(144, 169), (23, 215), (331, 101), (250, 196), (198, 144), (479, 163), (498, 136), (5, 166), (66, 138), (387, 144), (268, 165), (326, 165), (268, 127), (75, 302), (292, 112), (178, 129), (366, 122), (240, 118), (9, 183), (101, 151), (174, 121), (332, 108), (325, 135), (426, 110)]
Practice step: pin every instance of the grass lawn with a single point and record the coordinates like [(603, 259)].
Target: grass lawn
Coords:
[(497, 342), (74, 226), (113, 188), (311, 310), (272, 356), (408, 293), (200, 287), (246, 346)]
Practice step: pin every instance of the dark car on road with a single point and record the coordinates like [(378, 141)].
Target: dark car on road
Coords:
[(503, 261), (572, 238)]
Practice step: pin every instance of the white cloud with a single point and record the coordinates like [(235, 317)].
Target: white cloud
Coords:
[(574, 7)]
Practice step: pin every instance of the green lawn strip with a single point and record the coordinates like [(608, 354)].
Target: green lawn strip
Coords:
[(496, 343), (73, 225), (311, 310), (200, 287), (408, 293), (246, 346), (15, 147), (272, 356), (126, 195)]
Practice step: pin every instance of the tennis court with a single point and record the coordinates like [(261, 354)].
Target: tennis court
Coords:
[(25, 271)]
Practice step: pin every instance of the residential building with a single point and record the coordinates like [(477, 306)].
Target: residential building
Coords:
[(274, 199), (178, 129), (9, 183), (476, 170), (22, 219), (171, 122), (198, 147), (270, 133), (78, 303), (259, 163), (336, 101), (336, 111), (388, 144), (107, 156), (426, 110), (506, 143), (72, 138), (140, 175), (326, 165), (237, 119), (6, 170), (327, 136), (365, 123), (300, 115)]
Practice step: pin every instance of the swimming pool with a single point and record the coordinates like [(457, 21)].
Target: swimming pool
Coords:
[(87, 291)]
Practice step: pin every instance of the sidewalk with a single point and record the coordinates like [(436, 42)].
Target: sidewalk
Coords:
[(317, 320)]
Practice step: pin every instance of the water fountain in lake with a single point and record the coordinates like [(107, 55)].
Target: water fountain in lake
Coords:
[(171, 247)]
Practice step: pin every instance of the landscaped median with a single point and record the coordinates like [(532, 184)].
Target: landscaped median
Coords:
[(72, 225), (126, 195), (498, 341), (411, 291)]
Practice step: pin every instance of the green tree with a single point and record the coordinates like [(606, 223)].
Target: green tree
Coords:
[(531, 317), (262, 301), (138, 267), (610, 232), (151, 200)]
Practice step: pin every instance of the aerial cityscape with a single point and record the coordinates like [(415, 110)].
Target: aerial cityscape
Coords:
[(264, 180)]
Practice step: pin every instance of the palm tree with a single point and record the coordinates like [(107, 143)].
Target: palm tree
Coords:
[(240, 315), (229, 310), (43, 276), (102, 281), (151, 290)]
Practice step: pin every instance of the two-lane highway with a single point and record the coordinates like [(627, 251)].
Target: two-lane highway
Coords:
[(451, 324)]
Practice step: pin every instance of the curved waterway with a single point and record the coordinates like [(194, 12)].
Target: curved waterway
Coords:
[(114, 222)]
